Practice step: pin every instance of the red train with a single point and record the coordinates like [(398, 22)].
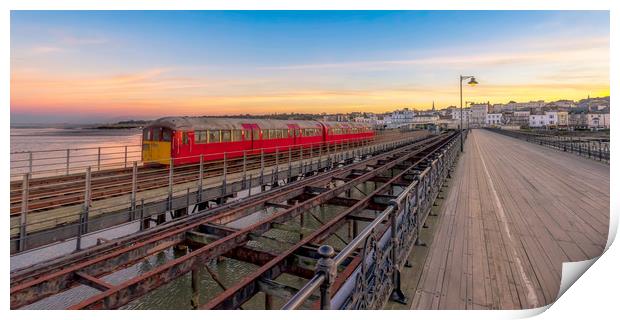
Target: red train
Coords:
[(185, 139)]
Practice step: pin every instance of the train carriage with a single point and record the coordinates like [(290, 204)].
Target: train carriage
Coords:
[(336, 132), (186, 139)]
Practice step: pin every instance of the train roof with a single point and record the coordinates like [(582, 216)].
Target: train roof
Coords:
[(208, 123), (335, 124)]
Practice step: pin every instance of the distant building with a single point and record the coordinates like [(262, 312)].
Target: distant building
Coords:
[(456, 115), (538, 120), (520, 118), (494, 119), (598, 120), (404, 116), (425, 118), (479, 114), (578, 120), (562, 119)]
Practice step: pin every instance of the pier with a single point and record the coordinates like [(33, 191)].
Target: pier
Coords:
[(409, 225), (514, 212)]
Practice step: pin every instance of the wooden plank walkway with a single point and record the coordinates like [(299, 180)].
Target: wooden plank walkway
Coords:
[(515, 211)]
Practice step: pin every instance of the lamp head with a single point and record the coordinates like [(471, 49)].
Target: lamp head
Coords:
[(472, 82)]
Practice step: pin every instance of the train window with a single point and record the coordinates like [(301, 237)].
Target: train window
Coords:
[(147, 135), (214, 136), (166, 136), (282, 134), (185, 138), (200, 136), (256, 134), (156, 134), (236, 135), (248, 135), (226, 136)]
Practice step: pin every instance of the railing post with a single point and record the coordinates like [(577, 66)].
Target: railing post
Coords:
[(142, 224), (290, 156), (224, 171), (23, 218), (600, 151), (397, 293), (320, 156), (83, 220), (277, 164), (262, 165), (250, 186), (301, 155), (201, 176), (134, 188), (244, 165), (98, 158), (68, 156), (170, 183), (327, 266), (30, 162)]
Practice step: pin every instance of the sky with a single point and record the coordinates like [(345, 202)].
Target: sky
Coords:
[(98, 66)]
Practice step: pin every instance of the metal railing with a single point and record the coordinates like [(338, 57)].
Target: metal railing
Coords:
[(57, 162), (593, 148), (383, 253), (83, 203), (45, 163)]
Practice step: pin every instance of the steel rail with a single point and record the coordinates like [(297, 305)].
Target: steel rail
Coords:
[(123, 293), (29, 280), (231, 298)]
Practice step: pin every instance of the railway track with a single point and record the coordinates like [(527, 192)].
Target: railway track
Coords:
[(55, 192), (207, 236)]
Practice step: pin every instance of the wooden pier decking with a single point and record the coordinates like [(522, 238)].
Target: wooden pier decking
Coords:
[(514, 212)]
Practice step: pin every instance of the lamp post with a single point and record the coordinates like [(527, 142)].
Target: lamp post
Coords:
[(472, 82)]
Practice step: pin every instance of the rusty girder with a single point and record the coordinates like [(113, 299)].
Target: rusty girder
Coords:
[(235, 296), (53, 278)]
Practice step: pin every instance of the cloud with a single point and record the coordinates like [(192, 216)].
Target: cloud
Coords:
[(76, 41), (532, 51), (45, 49)]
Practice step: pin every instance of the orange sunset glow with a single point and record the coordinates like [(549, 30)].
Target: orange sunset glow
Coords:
[(93, 68)]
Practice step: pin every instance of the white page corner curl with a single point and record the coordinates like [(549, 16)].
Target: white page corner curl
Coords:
[(571, 272)]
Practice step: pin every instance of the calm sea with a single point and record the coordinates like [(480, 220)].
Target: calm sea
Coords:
[(38, 139)]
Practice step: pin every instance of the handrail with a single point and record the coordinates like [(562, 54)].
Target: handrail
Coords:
[(326, 263)]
